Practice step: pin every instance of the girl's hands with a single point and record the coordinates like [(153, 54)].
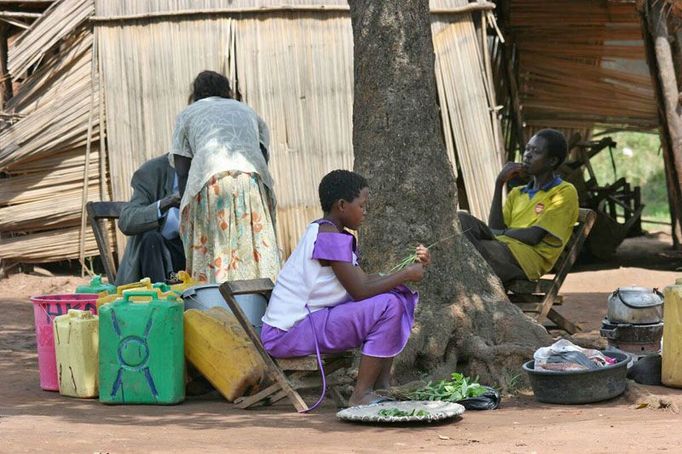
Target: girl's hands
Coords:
[(414, 272), (423, 255)]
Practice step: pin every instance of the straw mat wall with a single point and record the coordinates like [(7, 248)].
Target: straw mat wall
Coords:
[(296, 70), (467, 100), (43, 155)]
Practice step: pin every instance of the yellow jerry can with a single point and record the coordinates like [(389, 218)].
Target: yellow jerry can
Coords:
[(186, 282), (218, 347), (76, 347), (671, 369)]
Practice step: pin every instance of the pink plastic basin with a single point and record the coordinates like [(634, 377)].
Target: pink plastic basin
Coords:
[(45, 309)]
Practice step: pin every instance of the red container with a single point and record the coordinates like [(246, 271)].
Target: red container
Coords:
[(45, 309)]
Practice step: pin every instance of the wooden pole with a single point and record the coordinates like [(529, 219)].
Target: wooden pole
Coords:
[(22, 15), (5, 80), (659, 58), (511, 83), (468, 8)]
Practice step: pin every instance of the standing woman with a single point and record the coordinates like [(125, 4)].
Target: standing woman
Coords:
[(219, 152)]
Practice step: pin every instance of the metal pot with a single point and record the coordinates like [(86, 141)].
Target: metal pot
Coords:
[(637, 305)]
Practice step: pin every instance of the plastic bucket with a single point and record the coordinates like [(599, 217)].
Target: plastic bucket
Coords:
[(204, 297), (579, 386), (45, 309)]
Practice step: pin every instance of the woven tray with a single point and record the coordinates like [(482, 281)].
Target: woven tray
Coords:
[(437, 410)]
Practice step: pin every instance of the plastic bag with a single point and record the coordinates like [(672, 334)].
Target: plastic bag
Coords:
[(489, 400), (647, 370), (564, 355)]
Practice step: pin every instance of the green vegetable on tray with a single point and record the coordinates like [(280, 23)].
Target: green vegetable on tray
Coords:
[(398, 412), (456, 389)]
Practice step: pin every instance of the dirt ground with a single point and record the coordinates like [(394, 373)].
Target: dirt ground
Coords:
[(35, 420)]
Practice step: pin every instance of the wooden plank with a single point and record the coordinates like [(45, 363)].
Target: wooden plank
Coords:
[(530, 287), (562, 322), (248, 401), (511, 83), (273, 371), (277, 397), (96, 213), (20, 15), (572, 251), (529, 307), (242, 287), (213, 12), (303, 363), (5, 80), (105, 210)]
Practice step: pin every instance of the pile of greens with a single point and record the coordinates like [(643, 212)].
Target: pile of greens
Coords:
[(398, 412), (456, 389)]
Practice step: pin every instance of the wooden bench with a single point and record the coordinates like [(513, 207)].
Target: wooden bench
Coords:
[(98, 213), (288, 375), (539, 297)]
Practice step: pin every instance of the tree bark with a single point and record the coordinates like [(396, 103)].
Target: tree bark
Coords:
[(464, 320)]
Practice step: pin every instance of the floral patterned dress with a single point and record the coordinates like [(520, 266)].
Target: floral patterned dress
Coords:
[(228, 230)]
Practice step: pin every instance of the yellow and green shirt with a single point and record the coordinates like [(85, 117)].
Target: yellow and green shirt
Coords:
[(554, 208)]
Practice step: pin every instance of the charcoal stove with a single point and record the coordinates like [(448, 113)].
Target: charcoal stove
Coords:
[(634, 322), (640, 339)]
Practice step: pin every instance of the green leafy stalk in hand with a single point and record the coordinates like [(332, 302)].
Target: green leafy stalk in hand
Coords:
[(412, 257)]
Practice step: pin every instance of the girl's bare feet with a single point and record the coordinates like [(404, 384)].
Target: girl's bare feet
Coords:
[(363, 399)]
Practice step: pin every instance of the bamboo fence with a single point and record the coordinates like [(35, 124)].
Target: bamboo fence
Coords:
[(48, 172), (293, 65), (58, 21), (468, 106)]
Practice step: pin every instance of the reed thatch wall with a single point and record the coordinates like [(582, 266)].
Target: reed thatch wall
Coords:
[(294, 66), (50, 158), (296, 69), (581, 63)]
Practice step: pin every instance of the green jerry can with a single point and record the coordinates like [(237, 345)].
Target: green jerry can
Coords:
[(97, 286), (141, 350)]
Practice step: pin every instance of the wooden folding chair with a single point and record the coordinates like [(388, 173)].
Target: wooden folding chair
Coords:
[(97, 213), (290, 374), (538, 297)]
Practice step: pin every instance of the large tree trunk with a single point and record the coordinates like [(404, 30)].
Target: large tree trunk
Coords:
[(464, 320)]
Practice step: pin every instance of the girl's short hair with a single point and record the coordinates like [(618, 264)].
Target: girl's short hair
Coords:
[(210, 83), (340, 185)]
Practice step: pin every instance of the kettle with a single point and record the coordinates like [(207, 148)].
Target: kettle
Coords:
[(635, 305)]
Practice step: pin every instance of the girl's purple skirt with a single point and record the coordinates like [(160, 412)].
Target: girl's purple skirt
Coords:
[(381, 325)]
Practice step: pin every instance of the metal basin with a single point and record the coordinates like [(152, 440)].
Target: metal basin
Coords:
[(579, 386), (206, 296)]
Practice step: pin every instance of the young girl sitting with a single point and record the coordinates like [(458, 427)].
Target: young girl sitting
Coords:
[(323, 284)]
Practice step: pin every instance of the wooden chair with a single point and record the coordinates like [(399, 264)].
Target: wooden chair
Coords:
[(288, 375), (98, 212), (539, 297)]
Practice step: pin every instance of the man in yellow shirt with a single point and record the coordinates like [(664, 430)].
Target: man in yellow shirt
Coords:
[(525, 237)]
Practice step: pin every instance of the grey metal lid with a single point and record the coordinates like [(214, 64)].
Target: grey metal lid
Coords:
[(638, 297)]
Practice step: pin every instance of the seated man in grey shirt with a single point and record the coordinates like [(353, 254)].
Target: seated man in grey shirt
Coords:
[(151, 221)]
